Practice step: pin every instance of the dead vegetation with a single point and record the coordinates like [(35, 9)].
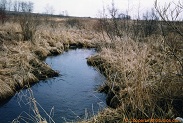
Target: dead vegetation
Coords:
[(143, 71), (21, 61), (143, 68), (143, 82)]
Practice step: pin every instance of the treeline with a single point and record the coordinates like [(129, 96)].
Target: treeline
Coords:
[(27, 21), (6, 6), (18, 6), (160, 21)]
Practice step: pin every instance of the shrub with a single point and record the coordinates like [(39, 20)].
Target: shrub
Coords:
[(2, 11), (73, 22), (172, 30), (27, 20), (28, 23)]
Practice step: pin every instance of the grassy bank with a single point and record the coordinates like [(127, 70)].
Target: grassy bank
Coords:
[(21, 62), (144, 79)]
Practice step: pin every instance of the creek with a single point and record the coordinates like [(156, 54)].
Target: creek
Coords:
[(69, 97)]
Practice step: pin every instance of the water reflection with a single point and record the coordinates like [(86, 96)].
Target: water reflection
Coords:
[(72, 94)]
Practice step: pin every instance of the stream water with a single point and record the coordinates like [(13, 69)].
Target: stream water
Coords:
[(69, 97)]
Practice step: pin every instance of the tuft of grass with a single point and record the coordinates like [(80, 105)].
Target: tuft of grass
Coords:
[(143, 81), (21, 62), (28, 98)]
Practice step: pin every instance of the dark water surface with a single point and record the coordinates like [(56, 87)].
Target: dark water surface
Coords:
[(69, 97)]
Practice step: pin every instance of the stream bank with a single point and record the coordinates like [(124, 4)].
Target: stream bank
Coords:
[(21, 62), (71, 96)]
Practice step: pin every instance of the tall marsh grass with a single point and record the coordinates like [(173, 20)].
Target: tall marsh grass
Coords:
[(144, 72), (143, 78), (21, 61)]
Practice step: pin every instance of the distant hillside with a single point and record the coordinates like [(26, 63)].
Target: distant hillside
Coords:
[(13, 13)]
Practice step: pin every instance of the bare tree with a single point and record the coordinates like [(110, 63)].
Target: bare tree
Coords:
[(66, 13), (27, 20), (172, 29), (9, 5), (26, 6), (3, 10), (49, 9), (150, 23), (114, 15), (116, 24), (16, 6), (3, 4)]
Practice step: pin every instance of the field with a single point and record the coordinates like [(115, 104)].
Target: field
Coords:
[(144, 71)]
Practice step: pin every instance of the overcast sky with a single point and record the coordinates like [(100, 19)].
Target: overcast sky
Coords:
[(91, 8)]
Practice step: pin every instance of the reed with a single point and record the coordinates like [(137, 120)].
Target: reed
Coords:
[(21, 61), (143, 79)]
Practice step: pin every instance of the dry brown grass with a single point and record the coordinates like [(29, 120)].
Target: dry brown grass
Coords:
[(142, 78), (21, 61)]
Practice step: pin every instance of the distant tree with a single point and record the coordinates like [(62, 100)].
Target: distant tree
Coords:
[(16, 6), (150, 23), (9, 5), (26, 6), (3, 4), (27, 20), (49, 9), (124, 17), (3, 10), (2, 15), (66, 13), (172, 29), (23, 6), (118, 24)]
